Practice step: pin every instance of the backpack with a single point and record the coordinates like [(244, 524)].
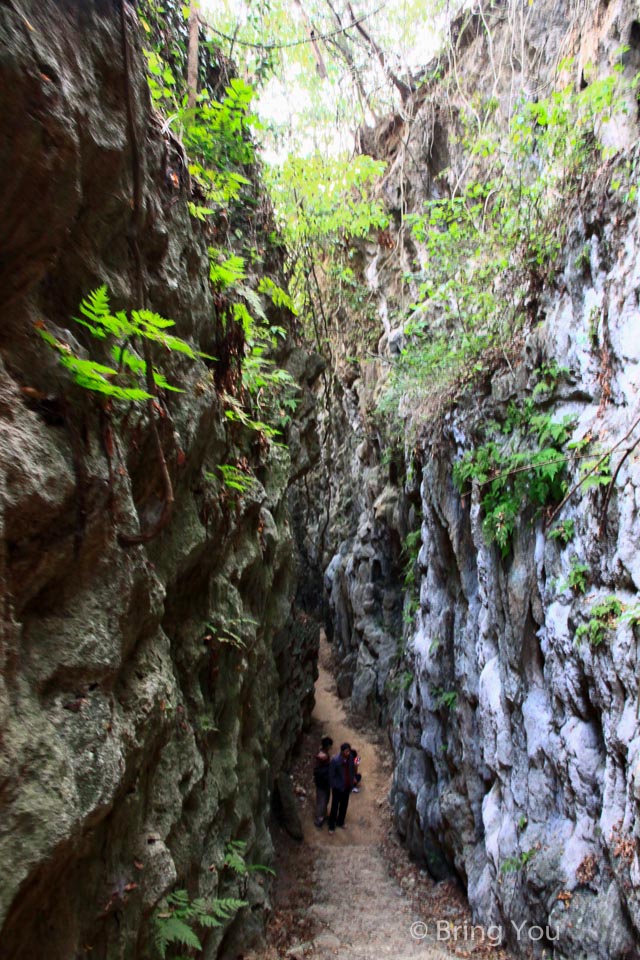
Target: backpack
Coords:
[(321, 773)]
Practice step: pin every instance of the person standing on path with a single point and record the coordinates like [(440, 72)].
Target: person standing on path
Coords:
[(341, 781), (357, 776), (321, 780)]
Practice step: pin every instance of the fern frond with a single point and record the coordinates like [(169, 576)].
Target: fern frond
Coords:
[(97, 311), (260, 868), (234, 857), (128, 359), (173, 930), (252, 299), (153, 319), (226, 907), (161, 381), (179, 898), (242, 316), (96, 304)]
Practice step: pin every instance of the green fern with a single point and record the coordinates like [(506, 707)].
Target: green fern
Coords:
[(221, 911), (234, 857), (174, 923), (225, 272), (171, 929), (139, 326)]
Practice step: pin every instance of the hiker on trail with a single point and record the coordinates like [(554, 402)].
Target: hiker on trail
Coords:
[(342, 780), (321, 780), (356, 767)]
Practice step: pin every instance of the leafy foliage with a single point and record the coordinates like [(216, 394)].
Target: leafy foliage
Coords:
[(564, 532), (216, 130), (272, 41), (486, 250), (510, 474), (322, 204), (603, 617), (322, 199), (577, 577), (445, 699), (411, 548), (517, 863), (174, 922), (217, 134), (237, 479), (128, 379), (234, 631), (235, 861), (401, 682)]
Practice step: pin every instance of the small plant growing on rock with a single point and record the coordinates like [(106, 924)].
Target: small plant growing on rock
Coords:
[(577, 577), (548, 375), (603, 618), (400, 683), (236, 478), (596, 473), (564, 532), (411, 548), (510, 474), (174, 921), (445, 699), (409, 613), (514, 864), (584, 257), (229, 632)]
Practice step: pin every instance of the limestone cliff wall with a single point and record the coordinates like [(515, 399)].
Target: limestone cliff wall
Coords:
[(149, 693), (524, 781)]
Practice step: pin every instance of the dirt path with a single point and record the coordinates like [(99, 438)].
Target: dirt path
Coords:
[(353, 895), (364, 823), (363, 912)]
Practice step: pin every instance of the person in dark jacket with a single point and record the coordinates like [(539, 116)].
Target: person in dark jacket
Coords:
[(341, 781), (356, 770), (321, 780)]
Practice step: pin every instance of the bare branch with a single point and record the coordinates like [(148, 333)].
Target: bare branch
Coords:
[(405, 90), (320, 64)]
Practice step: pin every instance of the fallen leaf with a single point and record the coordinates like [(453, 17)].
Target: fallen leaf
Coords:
[(32, 393)]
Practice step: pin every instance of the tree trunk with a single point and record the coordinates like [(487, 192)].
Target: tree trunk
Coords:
[(192, 54)]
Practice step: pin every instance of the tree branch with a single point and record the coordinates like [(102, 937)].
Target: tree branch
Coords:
[(404, 89), (320, 64), (192, 53)]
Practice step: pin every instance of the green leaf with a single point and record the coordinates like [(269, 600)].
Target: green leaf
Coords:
[(174, 930)]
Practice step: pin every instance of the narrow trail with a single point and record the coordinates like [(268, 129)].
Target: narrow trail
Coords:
[(363, 911), (335, 896)]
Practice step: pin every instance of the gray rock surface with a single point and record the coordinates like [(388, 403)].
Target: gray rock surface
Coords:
[(516, 747), (149, 694)]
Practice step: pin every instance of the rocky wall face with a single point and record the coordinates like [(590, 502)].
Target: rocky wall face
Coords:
[(527, 781), (143, 688), (516, 745)]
